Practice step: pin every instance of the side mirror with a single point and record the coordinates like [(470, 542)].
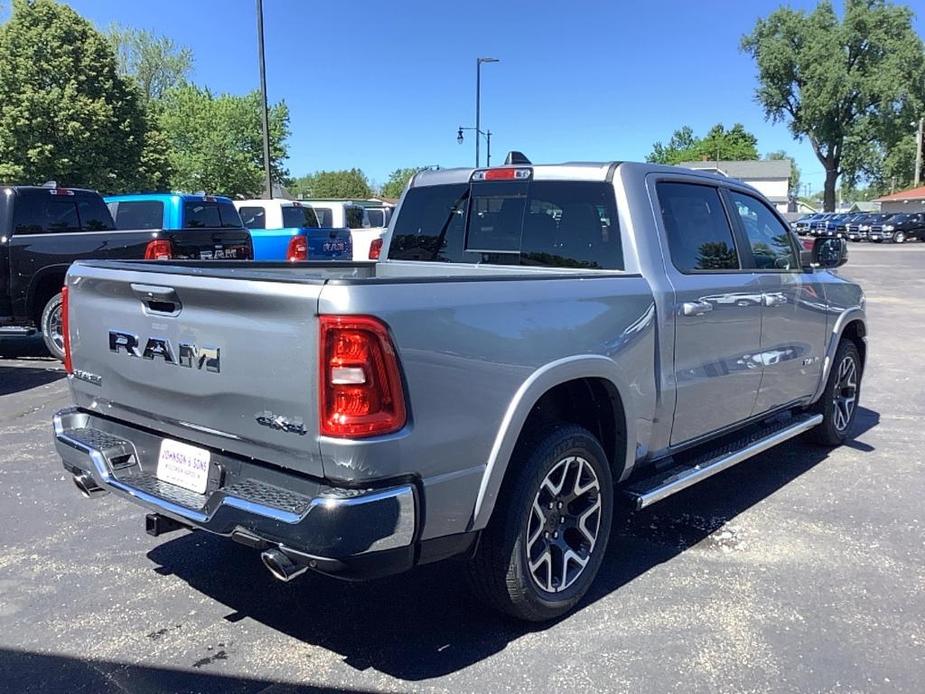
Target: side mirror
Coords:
[(829, 252)]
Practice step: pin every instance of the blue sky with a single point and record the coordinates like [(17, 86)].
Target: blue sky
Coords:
[(381, 86)]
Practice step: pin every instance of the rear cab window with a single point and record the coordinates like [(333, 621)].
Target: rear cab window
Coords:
[(41, 211), (534, 223), (253, 217), (138, 214), (299, 217), (210, 215), (353, 215)]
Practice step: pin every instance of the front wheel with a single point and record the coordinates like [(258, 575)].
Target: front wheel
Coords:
[(839, 402), (51, 325), (548, 533), (899, 237)]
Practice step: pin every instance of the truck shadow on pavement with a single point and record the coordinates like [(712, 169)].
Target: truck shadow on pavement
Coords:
[(425, 624), (15, 379)]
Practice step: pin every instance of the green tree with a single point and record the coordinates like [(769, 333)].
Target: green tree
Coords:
[(398, 179), (215, 142), (65, 112), (347, 183), (718, 144), (794, 169), (155, 62), (850, 87)]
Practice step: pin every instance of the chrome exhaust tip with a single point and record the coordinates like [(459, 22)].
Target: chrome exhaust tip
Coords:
[(88, 486), (281, 565)]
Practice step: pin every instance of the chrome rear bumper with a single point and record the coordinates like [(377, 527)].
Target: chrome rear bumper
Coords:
[(268, 506)]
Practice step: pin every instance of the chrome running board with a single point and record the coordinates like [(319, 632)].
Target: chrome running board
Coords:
[(667, 482)]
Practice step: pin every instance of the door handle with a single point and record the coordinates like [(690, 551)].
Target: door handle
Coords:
[(162, 300), (696, 308)]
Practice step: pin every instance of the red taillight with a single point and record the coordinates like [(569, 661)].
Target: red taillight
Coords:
[(360, 386), (159, 249), (298, 248), (66, 332), (375, 249)]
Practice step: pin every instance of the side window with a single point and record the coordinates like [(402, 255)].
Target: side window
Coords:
[(141, 214), (354, 217), (254, 217), (770, 240), (699, 235)]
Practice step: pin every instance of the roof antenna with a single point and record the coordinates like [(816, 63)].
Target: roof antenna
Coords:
[(515, 158)]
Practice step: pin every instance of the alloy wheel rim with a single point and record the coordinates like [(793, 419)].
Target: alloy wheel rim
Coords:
[(846, 392), (54, 326), (564, 524)]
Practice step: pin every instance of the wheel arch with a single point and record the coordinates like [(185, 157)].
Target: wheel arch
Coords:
[(851, 324), (546, 394), (45, 284)]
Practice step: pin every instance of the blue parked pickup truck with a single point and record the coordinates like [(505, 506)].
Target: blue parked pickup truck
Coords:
[(209, 222), (289, 230)]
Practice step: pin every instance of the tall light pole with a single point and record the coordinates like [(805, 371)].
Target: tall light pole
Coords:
[(478, 98), (268, 182), (918, 153)]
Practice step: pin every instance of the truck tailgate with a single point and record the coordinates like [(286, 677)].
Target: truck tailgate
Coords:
[(223, 362), (206, 244)]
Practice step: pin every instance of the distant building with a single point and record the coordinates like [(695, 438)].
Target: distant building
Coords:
[(771, 177), (912, 200)]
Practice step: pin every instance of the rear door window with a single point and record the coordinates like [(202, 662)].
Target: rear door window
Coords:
[(297, 217), (41, 212), (139, 214), (699, 235)]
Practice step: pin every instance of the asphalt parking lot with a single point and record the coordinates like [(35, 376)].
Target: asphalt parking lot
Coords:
[(800, 570)]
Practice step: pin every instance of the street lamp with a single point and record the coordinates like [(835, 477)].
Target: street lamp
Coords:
[(487, 135), (478, 97)]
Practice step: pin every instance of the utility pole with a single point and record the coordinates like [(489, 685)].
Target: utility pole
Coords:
[(268, 181), (478, 100), (918, 152)]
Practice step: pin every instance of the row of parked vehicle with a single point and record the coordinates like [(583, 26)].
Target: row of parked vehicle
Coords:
[(897, 227), (43, 229)]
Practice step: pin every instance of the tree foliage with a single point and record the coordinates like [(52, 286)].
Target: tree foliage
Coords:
[(65, 112), (347, 183), (849, 86), (736, 143), (215, 142), (398, 179), (155, 62)]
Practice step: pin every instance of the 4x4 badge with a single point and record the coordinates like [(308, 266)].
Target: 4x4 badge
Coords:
[(279, 423)]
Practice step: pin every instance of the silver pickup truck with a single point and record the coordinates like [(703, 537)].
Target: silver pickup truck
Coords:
[(539, 345)]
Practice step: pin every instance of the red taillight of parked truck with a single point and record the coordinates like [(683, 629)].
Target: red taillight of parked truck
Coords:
[(298, 249), (375, 249), (66, 332), (361, 392), (159, 249)]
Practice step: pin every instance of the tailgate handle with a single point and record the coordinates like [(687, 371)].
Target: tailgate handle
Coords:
[(163, 300)]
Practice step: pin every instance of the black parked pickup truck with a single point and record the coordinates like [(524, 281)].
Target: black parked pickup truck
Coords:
[(43, 229)]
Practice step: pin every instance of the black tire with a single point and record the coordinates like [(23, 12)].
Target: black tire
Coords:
[(500, 570), (51, 327), (835, 427)]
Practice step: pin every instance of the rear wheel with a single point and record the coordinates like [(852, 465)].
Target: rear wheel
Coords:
[(51, 326), (839, 402), (547, 537)]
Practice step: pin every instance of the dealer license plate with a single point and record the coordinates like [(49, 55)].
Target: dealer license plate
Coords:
[(183, 465)]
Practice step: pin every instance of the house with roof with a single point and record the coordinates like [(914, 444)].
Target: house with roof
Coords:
[(771, 177), (912, 200)]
